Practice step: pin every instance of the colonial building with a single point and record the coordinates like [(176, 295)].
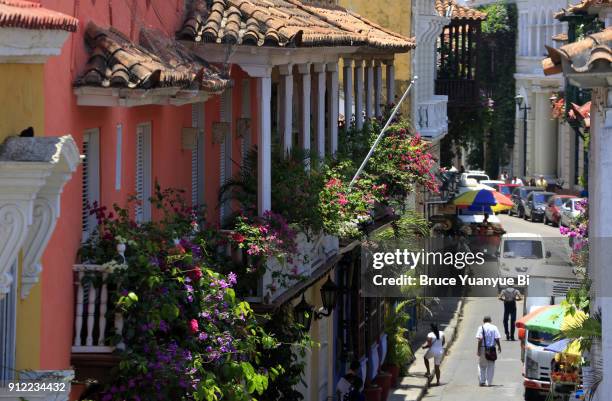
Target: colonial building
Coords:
[(175, 94), (586, 64), (34, 168), (429, 111), (542, 144)]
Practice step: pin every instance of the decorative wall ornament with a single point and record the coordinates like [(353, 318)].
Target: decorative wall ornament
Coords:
[(220, 131), (243, 127), (33, 172)]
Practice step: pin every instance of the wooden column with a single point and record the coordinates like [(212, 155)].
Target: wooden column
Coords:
[(286, 109), (319, 70), (377, 88), (457, 52), (369, 90), (332, 113), (358, 72), (304, 70), (348, 92), (390, 82), (264, 145), (462, 69)]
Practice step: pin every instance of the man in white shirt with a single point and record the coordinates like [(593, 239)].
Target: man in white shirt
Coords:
[(517, 180), (487, 336)]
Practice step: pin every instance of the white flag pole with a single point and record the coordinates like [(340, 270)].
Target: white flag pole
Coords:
[(382, 133)]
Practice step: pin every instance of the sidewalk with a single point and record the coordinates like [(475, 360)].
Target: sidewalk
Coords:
[(447, 315)]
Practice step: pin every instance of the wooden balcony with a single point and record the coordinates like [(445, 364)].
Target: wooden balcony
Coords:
[(95, 322), (312, 254), (460, 92)]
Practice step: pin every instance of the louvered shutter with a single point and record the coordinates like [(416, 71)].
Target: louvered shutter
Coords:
[(225, 154), (90, 181), (246, 113), (197, 156), (143, 172)]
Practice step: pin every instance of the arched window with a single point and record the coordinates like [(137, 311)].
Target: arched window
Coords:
[(533, 29)]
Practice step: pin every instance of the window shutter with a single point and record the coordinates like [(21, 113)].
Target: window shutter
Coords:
[(90, 181), (225, 153), (143, 172), (246, 113), (197, 156)]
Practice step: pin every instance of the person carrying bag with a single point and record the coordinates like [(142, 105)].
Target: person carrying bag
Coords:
[(488, 337)]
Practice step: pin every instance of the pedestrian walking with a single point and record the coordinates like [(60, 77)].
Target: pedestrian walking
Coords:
[(509, 296), (504, 176), (532, 182), (516, 180), (487, 336), (541, 182), (435, 349)]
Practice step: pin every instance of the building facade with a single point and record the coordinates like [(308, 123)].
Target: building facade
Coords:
[(546, 148), (172, 94)]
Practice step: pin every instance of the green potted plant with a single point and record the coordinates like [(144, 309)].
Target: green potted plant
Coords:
[(399, 349)]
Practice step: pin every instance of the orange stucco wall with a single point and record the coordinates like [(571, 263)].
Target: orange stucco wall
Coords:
[(170, 164)]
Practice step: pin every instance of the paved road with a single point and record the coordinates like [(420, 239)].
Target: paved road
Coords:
[(459, 369)]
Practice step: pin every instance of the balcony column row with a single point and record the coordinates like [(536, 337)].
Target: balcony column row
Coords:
[(363, 89)]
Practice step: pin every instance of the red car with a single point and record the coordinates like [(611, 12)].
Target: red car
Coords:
[(552, 213), (506, 189)]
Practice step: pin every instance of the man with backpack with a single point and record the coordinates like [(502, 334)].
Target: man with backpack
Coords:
[(487, 336)]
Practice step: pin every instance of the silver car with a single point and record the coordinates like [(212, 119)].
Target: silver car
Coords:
[(569, 211)]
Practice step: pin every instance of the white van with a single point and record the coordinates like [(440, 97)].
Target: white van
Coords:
[(521, 254)]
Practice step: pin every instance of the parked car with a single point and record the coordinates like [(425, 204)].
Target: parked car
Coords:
[(535, 204), (476, 175), (552, 213), (492, 183), (569, 211), (507, 189), (519, 196)]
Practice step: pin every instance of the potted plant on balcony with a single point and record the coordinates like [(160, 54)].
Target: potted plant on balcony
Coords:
[(401, 160), (186, 334), (347, 211)]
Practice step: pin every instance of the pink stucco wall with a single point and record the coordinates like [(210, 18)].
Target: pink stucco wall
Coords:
[(171, 165)]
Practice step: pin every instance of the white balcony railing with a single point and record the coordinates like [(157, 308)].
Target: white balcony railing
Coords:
[(312, 254), (432, 118), (91, 326)]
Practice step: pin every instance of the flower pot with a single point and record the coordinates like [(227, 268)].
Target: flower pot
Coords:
[(373, 393), (76, 390), (394, 370), (383, 380)]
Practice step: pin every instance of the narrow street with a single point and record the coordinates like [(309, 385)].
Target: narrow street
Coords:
[(459, 370)]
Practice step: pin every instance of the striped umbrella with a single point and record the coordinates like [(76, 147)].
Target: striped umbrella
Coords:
[(483, 201)]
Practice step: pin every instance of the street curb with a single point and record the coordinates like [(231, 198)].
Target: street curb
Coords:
[(414, 386)]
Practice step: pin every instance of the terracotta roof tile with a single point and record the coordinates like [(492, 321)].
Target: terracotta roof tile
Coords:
[(581, 113), (583, 55), (159, 62), (561, 37), (374, 34), (284, 23), (30, 15), (458, 12), (585, 5)]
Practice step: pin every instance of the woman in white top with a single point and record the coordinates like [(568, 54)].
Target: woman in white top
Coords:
[(435, 350)]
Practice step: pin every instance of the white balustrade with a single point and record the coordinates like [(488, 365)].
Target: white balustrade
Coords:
[(311, 254), (92, 290), (431, 117)]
